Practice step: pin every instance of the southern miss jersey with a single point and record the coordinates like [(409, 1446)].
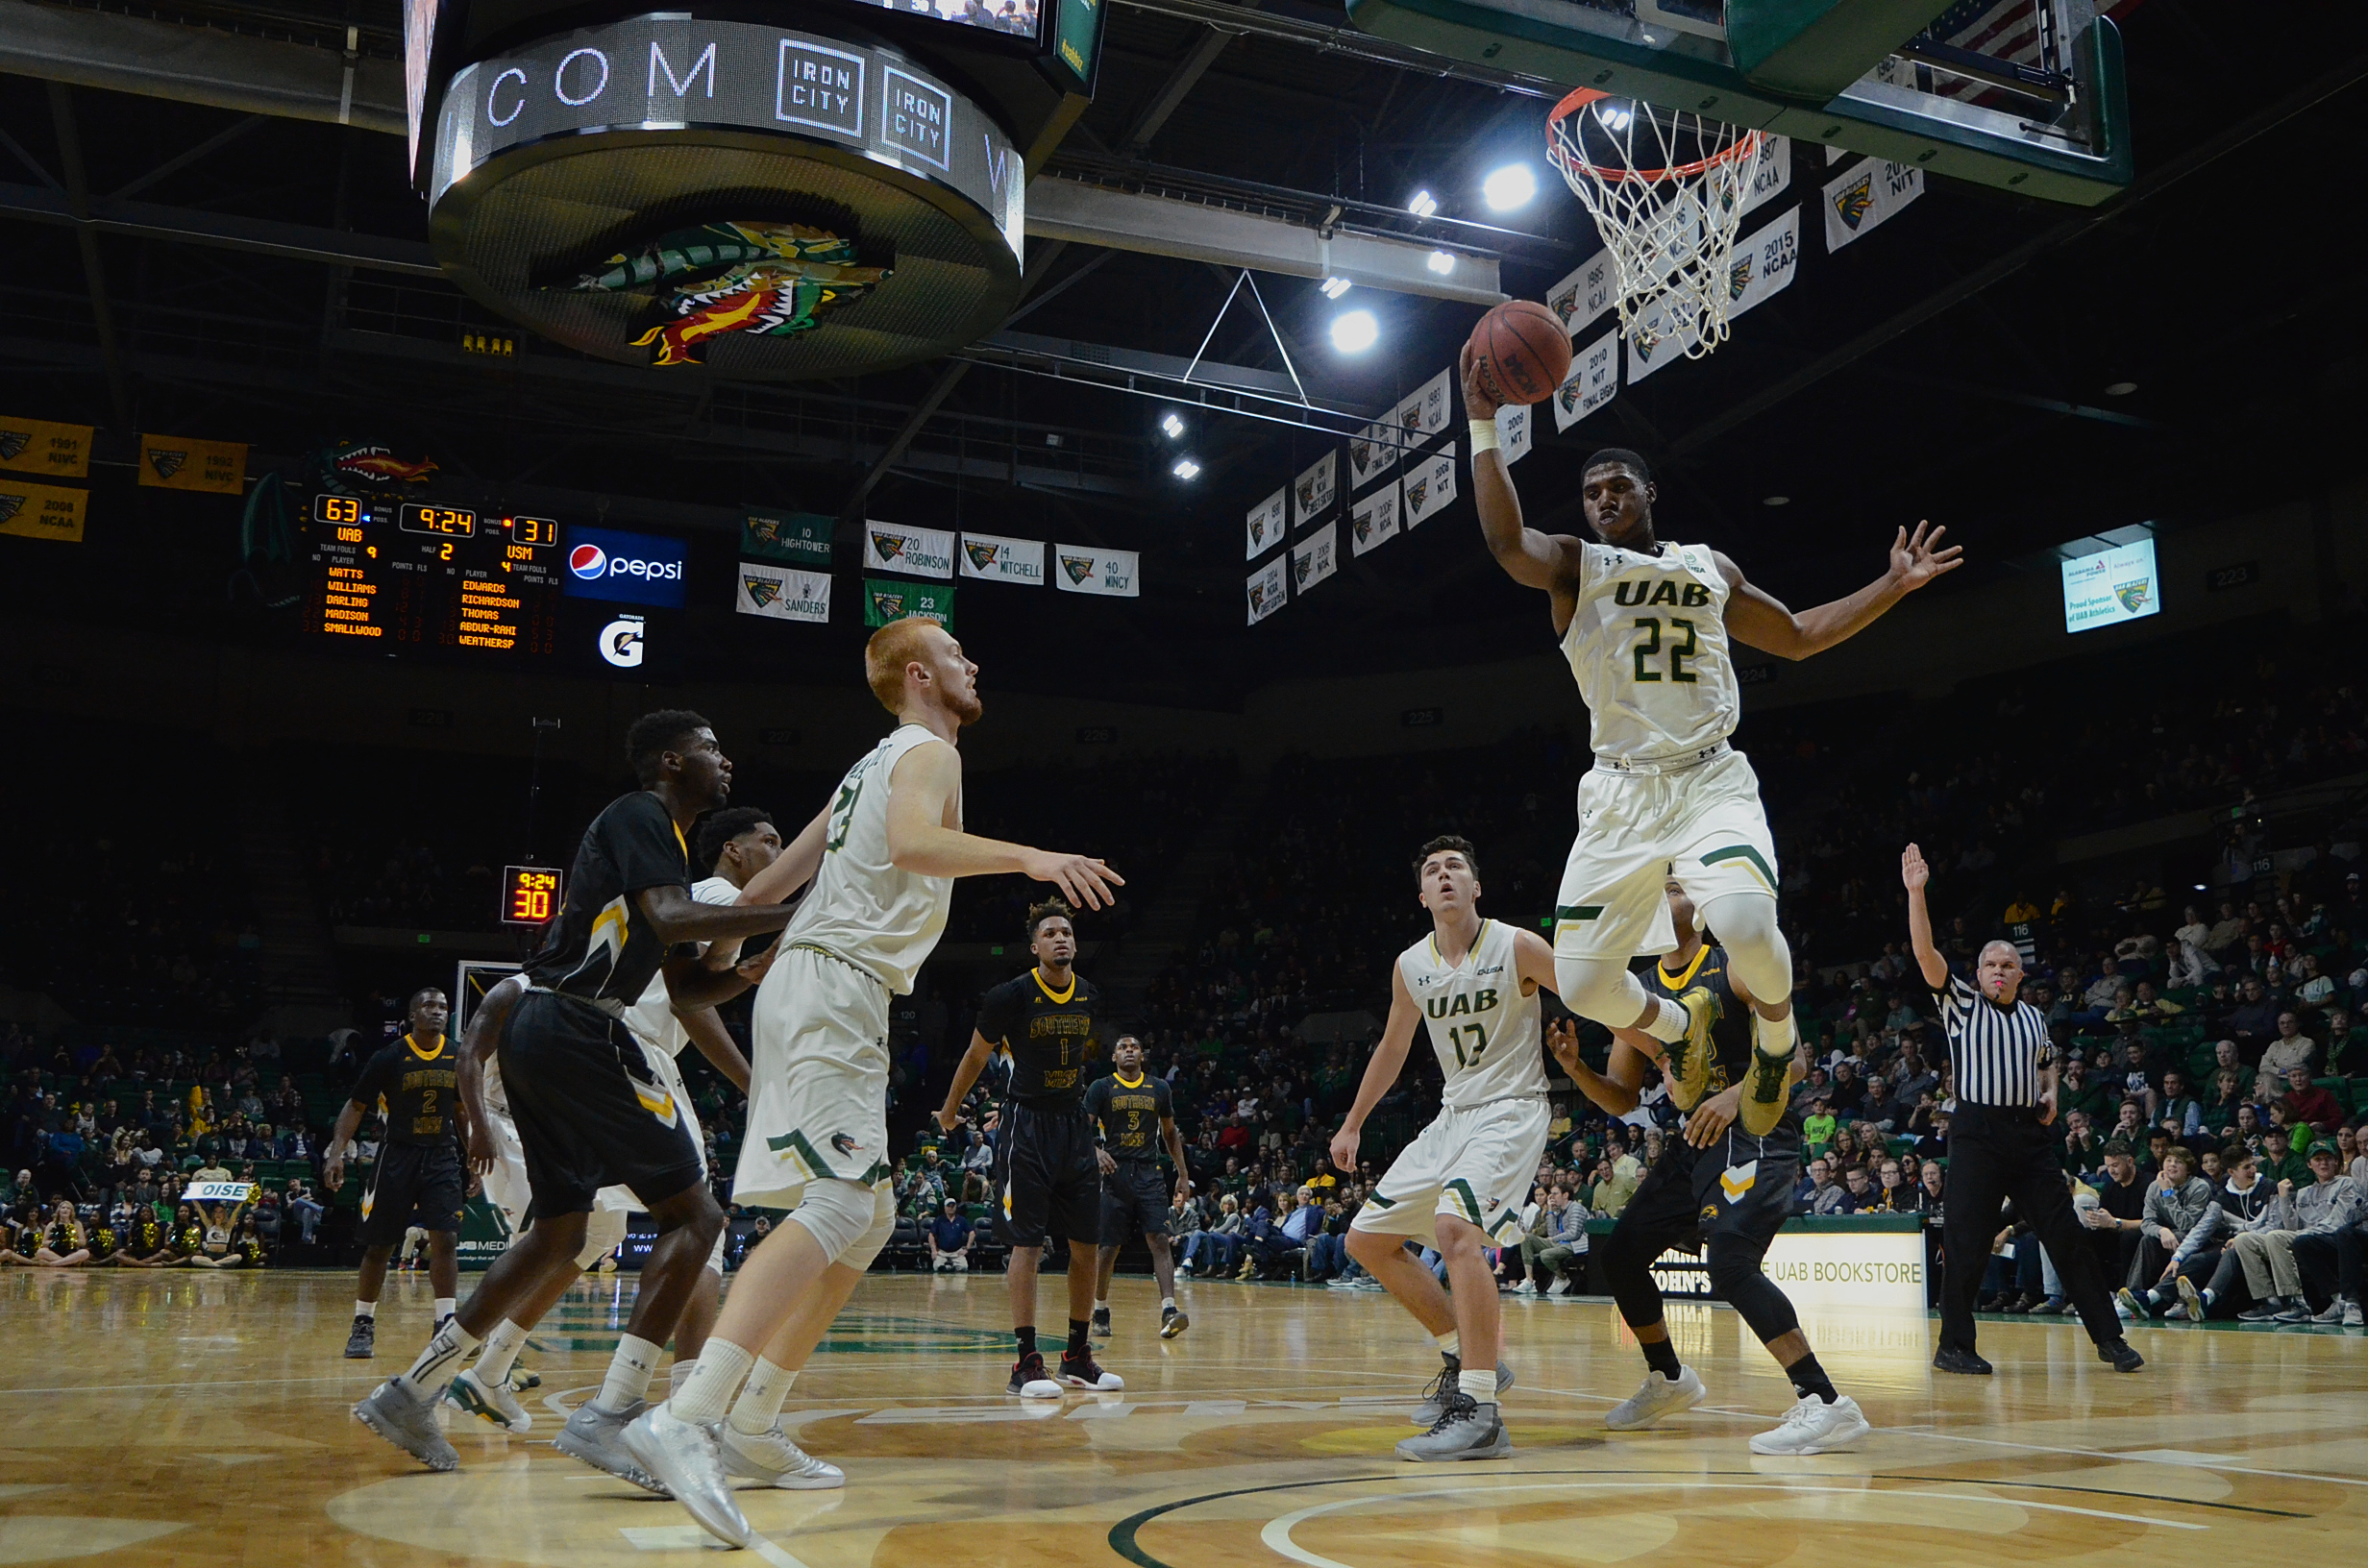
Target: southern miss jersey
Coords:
[(1048, 1035), (414, 1086), (602, 947), (861, 908), (1648, 644), (1130, 1115), (1486, 1033), (1731, 1028), (653, 1019)]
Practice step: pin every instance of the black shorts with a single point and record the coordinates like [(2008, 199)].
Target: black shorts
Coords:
[(422, 1180), (589, 1112), (1134, 1202), (1740, 1186), (1045, 1170)]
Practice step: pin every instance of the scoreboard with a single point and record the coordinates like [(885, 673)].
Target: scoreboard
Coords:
[(427, 574)]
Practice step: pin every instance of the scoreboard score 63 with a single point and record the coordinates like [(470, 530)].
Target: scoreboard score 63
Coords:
[(426, 573), (529, 895)]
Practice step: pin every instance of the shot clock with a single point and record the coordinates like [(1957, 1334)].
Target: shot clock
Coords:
[(529, 895)]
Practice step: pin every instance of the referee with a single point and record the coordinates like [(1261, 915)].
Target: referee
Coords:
[(1999, 1143)]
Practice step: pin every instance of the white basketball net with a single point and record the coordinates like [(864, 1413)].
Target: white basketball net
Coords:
[(1666, 188)]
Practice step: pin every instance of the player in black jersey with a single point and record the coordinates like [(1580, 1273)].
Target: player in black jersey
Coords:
[(582, 1095), (1717, 1186), (1045, 1170), (413, 1082), (1136, 1115)]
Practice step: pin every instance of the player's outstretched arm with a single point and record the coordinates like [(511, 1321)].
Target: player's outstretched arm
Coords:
[(1381, 1070), (1532, 560), (477, 1041), (1758, 618), (1914, 874), (792, 868), (921, 796), (715, 1043), (965, 1073), (1614, 1090)]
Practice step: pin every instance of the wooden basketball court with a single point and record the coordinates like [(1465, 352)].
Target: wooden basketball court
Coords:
[(192, 1419)]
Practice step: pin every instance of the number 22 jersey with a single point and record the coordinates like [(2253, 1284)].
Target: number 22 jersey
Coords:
[(1648, 646), (1486, 1033)]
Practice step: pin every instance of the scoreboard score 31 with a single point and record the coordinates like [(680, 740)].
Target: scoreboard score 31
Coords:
[(423, 574)]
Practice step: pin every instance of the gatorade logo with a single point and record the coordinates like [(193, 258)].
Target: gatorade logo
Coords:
[(589, 561)]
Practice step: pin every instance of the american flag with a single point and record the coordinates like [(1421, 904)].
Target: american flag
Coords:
[(2003, 30)]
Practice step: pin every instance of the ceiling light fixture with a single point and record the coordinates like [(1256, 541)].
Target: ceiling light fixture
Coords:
[(1512, 186), (1423, 204), (1335, 287), (1775, 501), (1172, 423), (1186, 469), (1441, 262), (2120, 389), (1354, 331)]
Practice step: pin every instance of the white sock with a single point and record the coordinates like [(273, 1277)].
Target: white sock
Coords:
[(677, 1376), (1101, 1305), (1668, 1023), (1478, 1384), (366, 1309), (1449, 1343), (1774, 1037), (2210, 1295), (706, 1393), (759, 1404), (629, 1374), (446, 1307), (432, 1372), (501, 1347), (1167, 1304)]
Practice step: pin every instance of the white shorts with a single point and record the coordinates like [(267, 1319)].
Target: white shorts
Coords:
[(1475, 1162), (506, 1185), (818, 1081), (1702, 825)]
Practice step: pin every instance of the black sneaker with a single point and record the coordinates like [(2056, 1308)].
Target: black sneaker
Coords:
[(1950, 1359), (1029, 1377), (363, 1342), (2119, 1353), (2021, 1306), (1172, 1322), (1101, 1323), (1078, 1370)]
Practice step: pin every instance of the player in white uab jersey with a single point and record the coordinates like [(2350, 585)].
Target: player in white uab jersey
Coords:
[(1474, 984), (882, 856), (1645, 626)]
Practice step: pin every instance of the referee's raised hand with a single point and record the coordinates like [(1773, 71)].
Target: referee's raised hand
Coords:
[(1913, 871)]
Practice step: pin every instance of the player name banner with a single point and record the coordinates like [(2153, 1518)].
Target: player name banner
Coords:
[(1512, 428), (1771, 173), (1085, 568), (783, 592), (1269, 589), (1266, 525), (1593, 380), (885, 601), (1864, 197), (1374, 520), (917, 552), (1424, 414), (1315, 558), (992, 558), (218, 1192), (1764, 265), (800, 538), (42, 511), (1314, 491), (172, 462), (1584, 294), (1430, 484), (40, 446), (1372, 451)]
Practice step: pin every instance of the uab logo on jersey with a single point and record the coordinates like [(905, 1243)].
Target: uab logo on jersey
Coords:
[(1461, 1003), (1694, 597)]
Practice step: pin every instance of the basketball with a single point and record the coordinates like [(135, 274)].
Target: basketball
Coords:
[(1523, 351)]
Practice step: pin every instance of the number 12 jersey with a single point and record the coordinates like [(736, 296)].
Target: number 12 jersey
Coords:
[(1485, 1032)]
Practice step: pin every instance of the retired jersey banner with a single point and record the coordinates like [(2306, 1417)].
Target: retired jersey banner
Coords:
[(1512, 428), (1864, 197), (782, 592), (1268, 588), (800, 538), (42, 511), (1315, 558), (39, 445), (1661, 336), (1314, 491), (1372, 451), (171, 462), (1425, 415), (1374, 520), (885, 601), (992, 558), (1268, 525), (1584, 294), (1593, 381), (1771, 172), (917, 552), (1764, 265), (1087, 569), (1430, 484)]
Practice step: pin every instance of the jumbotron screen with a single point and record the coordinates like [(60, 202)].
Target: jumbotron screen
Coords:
[(1022, 18)]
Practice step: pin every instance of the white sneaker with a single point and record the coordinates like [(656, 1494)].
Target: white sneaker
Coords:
[(1560, 1287), (492, 1403), (689, 1460), (2333, 1315), (1655, 1397), (2351, 1319), (769, 1457), (1815, 1426), (1527, 1288)]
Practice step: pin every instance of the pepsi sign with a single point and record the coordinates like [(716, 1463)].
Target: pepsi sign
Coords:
[(632, 568)]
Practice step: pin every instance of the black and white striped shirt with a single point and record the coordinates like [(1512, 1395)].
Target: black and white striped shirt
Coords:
[(1998, 1051)]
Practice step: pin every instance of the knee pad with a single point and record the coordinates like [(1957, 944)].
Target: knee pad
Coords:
[(1757, 952), (1600, 988), (838, 1215), (603, 1230)]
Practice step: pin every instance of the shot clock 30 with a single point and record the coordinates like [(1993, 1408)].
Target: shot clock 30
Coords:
[(529, 895)]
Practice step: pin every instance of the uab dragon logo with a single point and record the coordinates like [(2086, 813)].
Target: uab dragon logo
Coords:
[(982, 555), (10, 506), (2132, 594), (1414, 419), (1078, 567), (1307, 498), (1417, 491), (1301, 567), (368, 463), (1361, 455), (887, 606), (763, 590), (761, 279), (166, 461), (1855, 199), (1738, 279), (887, 546), (1257, 596), (12, 442), (1565, 304)]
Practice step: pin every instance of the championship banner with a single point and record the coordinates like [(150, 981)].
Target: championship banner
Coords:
[(1584, 294), (800, 538), (1863, 198), (1430, 484), (1771, 173), (1315, 558), (1313, 492), (1269, 589), (1085, 569), (1266, 525), (171, 462), (39, 445), (917, 552), (218, 1192), (1374, 520), (1424, 414), (1512, 428), (992, 558), (1372, 451), (782, 592), (885, 601), (42, 511), (1764, 265), (1593, 381), (1656, 339)]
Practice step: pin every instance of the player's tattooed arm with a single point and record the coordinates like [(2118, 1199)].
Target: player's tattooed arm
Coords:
[(477, 1042), (1551, 561), (1389, 1059), (1758, 618)]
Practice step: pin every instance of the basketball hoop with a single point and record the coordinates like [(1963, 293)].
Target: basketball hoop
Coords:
[(1666, 188)]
